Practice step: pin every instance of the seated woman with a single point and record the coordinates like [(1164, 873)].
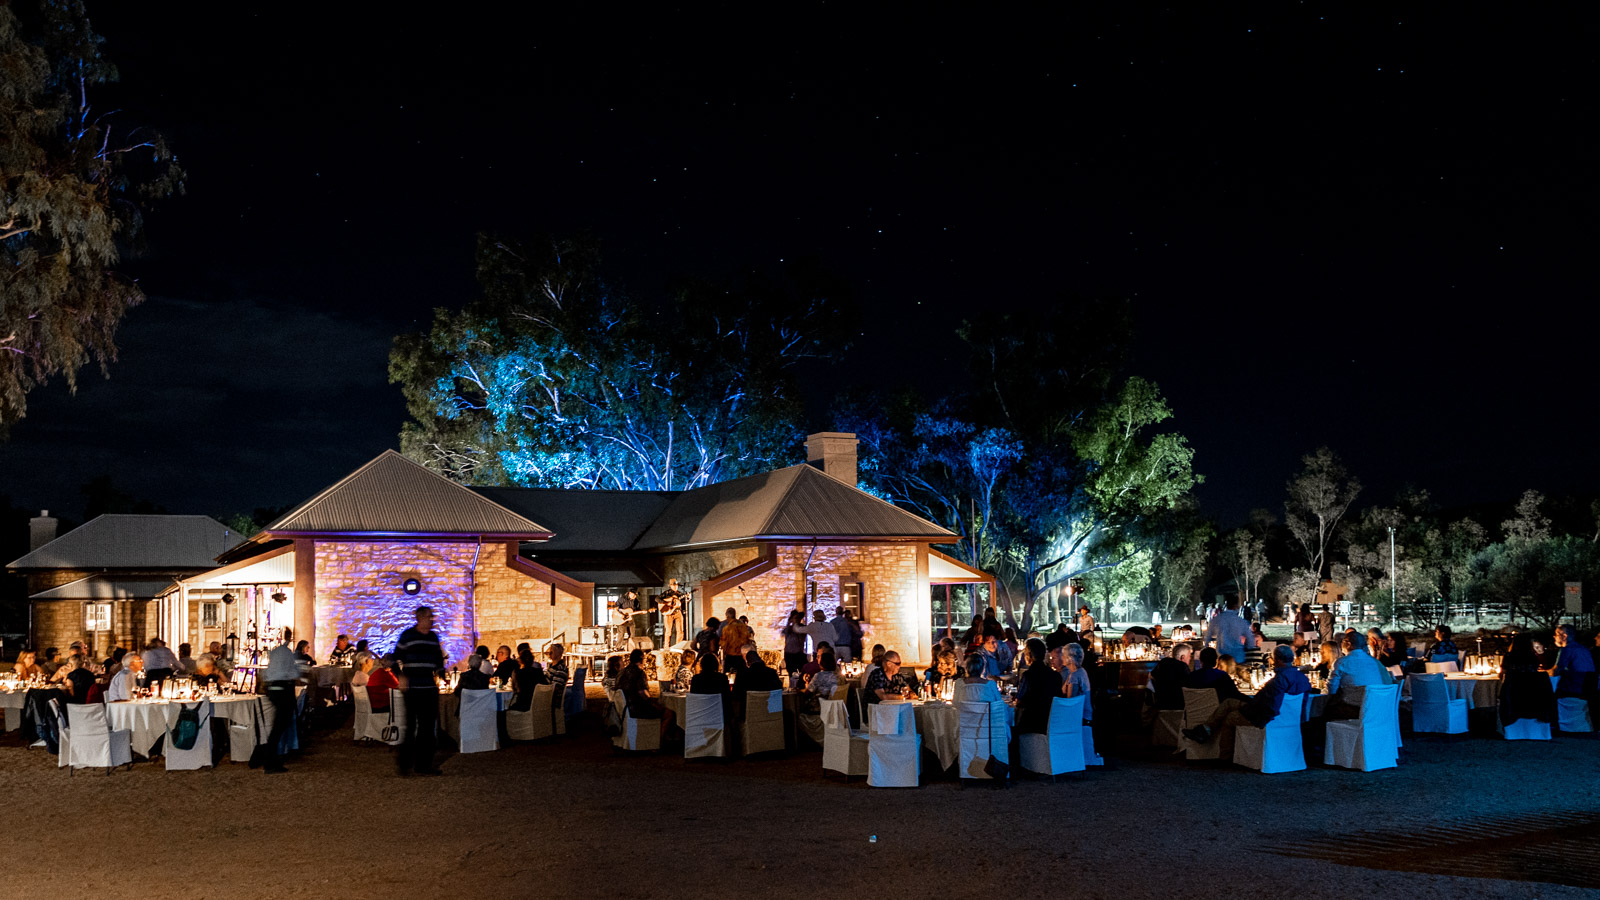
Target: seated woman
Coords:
[(685, 674), (474, 678), (205, 673), (1074, 680), (1036, 690), (943, 669), (380, 681), (823, 684), (635, 688), (27, 666), (528, 675), (1525, 691), (301, 654), (1444, 648), (1396, 651), (613, 671), (362, 663), (975, 687), (710, 679)]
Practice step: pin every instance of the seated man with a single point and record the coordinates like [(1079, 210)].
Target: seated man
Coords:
[(206, 674), (1444, 647), (757, 675), (1574, 670), (474, 678), (1257, 710), (635, 688), (1037, 689), (343, 654), (1355, 669), (1209, 675), (126, 680), (1170, 676), (186, 663), (1137, 634), (884, 682)]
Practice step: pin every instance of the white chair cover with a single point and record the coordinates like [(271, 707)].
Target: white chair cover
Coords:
[(1433, 710), (637, 734), (480, 731), (1372, 741), (1061, 750), (63, 735), (843, 750), (200, 755), (363, 705), (397, 715), (1574, 715), (763, 722), (535, 722), (1198, 705), (558, 709), (572, 702), (703, 729), (1168, 728), (1443, 667), (1276, 746), (1090, 757), (985, 735), (894, 751), (93, 741), (1524, 730)]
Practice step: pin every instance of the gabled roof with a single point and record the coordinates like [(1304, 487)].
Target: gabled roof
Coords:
[(798, 501), (585, 521), (106, 587), (392, 495), (135, 542)]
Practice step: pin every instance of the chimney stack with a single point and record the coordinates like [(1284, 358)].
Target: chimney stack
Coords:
[(41, 530), (834, 452)]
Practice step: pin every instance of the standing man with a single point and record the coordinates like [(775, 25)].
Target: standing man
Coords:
[(1230, 631), (671, 604), (159, 663), (625, 609), (283, 672), (1085, 620), (421, 657)]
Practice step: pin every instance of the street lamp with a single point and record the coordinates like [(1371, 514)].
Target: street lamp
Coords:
[(1394, 612)]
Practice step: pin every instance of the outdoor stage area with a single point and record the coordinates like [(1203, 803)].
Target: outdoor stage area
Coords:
[(570, 818)]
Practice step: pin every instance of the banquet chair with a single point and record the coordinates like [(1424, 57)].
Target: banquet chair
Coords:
[(637, 734), (1060, 750), (397, 716), (844, 750), (703, 727), (1442, 666), (1433, 710), (1524, 730), (479, 725), (762, 729), (985, 735), (200, 755), (1573, 715), (1372, 741), (894, 749), (1167, 730), (63, 735), (558, 709), (1274, 747), (364, 730), (1198, 705), (533, 723), (573, 702), (93, 741), (1090, 756)]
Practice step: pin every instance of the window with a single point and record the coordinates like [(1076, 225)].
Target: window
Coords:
[(208, 615), (97, 617), (853, 596)]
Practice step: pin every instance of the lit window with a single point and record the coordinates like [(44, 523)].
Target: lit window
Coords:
[(97, 617), (853, 596)]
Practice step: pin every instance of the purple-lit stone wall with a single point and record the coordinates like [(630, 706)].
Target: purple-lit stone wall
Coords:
[(360, 591)]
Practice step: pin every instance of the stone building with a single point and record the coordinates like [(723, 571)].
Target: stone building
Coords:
[(100, 582), (503, 565)]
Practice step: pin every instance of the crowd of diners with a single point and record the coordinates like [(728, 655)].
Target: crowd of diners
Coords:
[(83, 678)]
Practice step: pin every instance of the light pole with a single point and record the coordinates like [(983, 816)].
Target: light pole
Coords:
[(1394, 613)]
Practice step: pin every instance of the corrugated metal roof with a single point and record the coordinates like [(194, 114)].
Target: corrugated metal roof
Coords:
[(598, 521), (798, 501), (106, 587), (393, 495), (135, 542)]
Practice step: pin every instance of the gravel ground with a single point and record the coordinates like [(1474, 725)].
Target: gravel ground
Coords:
[(570, 818)]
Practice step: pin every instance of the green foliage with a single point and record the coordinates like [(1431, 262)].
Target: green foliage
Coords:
[(555, 379), (73, 188)]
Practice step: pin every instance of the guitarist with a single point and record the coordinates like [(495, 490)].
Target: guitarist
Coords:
[(671, 604)]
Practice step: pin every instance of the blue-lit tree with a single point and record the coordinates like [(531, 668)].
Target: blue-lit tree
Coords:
[(554, 378)]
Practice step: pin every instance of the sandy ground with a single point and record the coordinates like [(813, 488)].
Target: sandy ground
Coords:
[(570, 818)]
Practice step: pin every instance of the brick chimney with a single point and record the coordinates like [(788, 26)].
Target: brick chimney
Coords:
[(42, 529), (833, 452)]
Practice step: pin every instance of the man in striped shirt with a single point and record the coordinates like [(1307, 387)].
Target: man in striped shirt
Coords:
[(421, 657)]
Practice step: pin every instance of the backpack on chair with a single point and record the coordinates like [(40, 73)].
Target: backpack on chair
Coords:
[(187, 729)]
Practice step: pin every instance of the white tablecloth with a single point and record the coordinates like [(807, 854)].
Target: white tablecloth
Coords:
[(1477, 690), (12, 702), (150, 719), (939, 723)]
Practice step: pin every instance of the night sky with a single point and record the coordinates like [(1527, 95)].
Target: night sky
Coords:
[(1354, 228)]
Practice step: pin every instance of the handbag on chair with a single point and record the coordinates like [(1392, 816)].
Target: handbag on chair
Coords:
[(993, 767), (391, 731)]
